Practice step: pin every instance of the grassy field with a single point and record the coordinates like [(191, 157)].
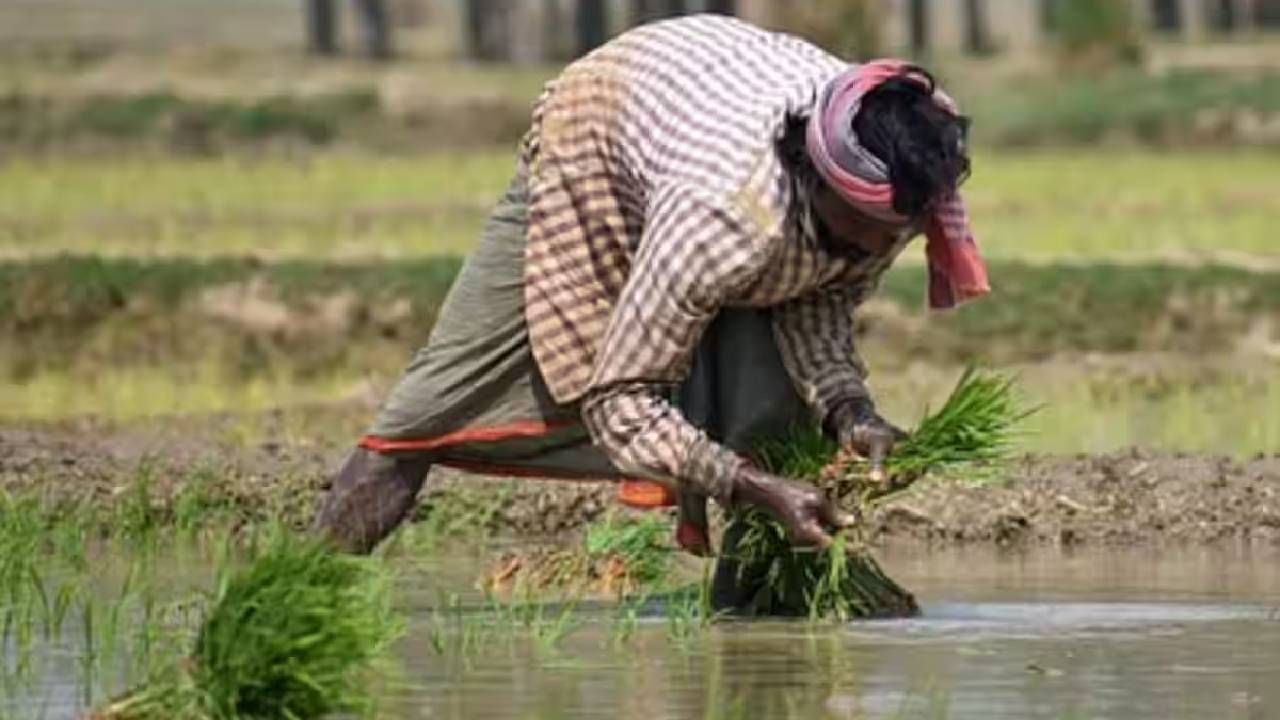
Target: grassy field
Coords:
[(1045, 206), (1177, 107), (1091, 205), (1235, 412), (325, 206), (1120, 354), (1223, 407), (239, 284), (88, 314)]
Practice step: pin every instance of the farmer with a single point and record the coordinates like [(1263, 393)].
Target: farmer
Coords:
[(697, 210)]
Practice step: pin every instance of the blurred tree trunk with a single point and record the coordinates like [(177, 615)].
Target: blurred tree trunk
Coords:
[(554, 33), (1192, 15), (487, 36), (1233, 16), (643, 11), (1166, 15), (919, 24), (322, 27), (377, 28), (593, 24), (1267, 13), (475, 16), (723, 7), (1048, 15), (976, 36)]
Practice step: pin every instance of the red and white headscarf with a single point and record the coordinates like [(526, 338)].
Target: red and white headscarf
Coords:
[(956, 270)]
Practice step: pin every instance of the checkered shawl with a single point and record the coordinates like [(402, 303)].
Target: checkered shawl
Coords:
[(657, 197)]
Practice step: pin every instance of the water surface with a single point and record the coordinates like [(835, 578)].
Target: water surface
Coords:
[(1126, 634)]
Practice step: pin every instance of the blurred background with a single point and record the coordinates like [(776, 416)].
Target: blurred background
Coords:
[(250, 209)]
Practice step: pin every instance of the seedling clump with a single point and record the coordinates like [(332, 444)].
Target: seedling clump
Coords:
[(973, 430), (298, 633), (619, 555)]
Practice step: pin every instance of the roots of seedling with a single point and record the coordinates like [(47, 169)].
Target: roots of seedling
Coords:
[(620, 555), (761, 574), (572, 571)]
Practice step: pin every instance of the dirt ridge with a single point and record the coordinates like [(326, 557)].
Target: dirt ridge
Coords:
[(1128, 497)]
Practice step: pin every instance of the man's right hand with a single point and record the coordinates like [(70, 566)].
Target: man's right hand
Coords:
[(804, 510)]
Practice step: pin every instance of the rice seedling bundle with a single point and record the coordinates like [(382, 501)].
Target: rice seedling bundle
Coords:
[(974, 429), (299, 633), (619, 555)]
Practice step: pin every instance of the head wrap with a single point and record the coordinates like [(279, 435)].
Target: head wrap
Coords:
[(956, 270)]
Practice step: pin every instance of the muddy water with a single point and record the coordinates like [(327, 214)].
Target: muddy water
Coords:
[(1124, 634), (1127, 634)]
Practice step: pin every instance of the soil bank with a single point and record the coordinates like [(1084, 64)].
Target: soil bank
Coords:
[(1122, 498)]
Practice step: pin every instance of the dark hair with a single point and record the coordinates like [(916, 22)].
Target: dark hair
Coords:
[(922, 144)]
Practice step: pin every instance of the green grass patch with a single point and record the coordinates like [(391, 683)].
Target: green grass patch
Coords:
[(1200, 403), (329, 206), (1035, 311), (1089, 206), (127, 338), (1181, 106), (1044, 205), (185, 124), (204, 322), (131, 394), (1038, 311)]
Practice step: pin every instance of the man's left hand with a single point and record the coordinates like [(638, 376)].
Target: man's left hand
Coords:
[(871, 436)]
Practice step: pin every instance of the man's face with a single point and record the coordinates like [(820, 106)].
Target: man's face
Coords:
[(849, 227)]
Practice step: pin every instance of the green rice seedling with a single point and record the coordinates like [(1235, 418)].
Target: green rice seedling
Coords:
[(290, 635), (620, 555), (198, 504), (55, 600), (684, 619), (842, 581), (445, 613), (136, 517), (548, 631), (30, 609), (88, 655), (626, 623), (974, 428), (295, 634), (690, 612), (639, 543), (464, 511)]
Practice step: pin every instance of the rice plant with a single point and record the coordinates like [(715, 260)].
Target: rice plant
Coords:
[(761, 573), (297, 633), (975, 428), (639, 543), (619, 555)]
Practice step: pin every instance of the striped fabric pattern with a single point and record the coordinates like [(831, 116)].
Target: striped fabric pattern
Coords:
[(656, 198)]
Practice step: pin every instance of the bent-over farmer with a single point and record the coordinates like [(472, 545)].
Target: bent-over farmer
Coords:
[(697, 210)]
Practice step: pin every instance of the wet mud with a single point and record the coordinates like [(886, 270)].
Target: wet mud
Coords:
[(1129, 497)]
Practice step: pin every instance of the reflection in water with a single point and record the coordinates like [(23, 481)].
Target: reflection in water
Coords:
[(1100, 635), (1124, 634)]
